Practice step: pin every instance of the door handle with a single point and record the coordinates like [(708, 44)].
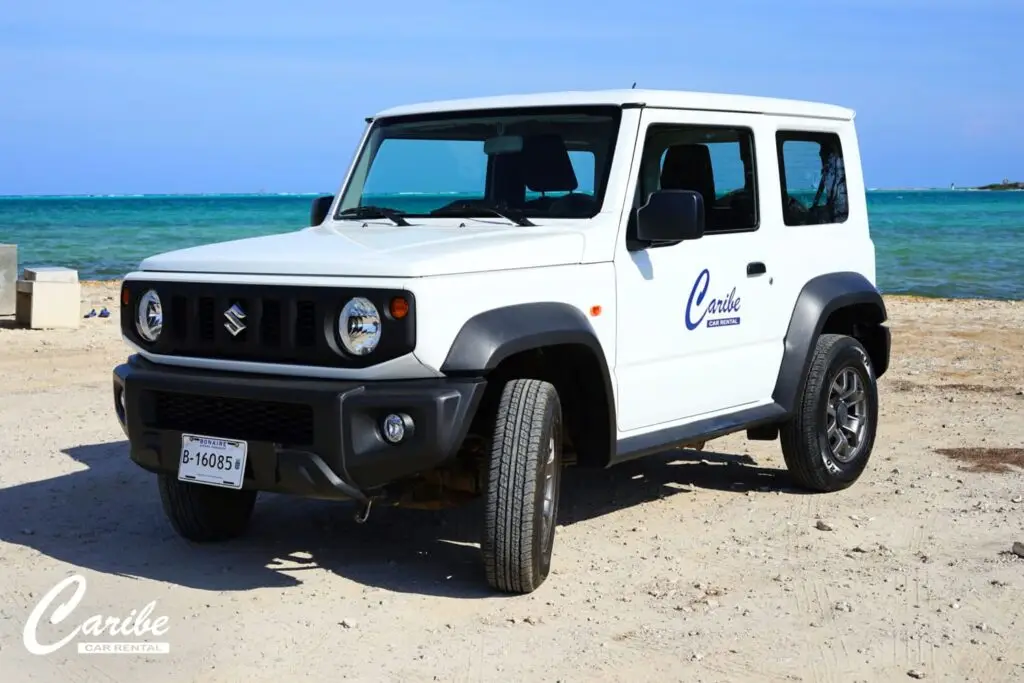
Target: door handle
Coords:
[(756, 268)]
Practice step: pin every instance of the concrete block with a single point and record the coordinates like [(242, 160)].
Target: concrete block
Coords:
[(48, 305), (50, 274), (8, 278)]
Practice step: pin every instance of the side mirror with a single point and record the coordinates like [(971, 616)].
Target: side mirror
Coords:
[(321, 205), (671, 216)]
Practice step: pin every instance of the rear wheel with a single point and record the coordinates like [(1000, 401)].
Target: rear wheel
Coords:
[(523, 484), (828, 442), (205, 513)]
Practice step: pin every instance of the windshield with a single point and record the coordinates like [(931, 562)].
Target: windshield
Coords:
[(513, 164)]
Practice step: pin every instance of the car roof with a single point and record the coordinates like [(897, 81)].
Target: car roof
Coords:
[(671, 99)]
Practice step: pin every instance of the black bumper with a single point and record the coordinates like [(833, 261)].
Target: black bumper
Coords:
[(309, 437)]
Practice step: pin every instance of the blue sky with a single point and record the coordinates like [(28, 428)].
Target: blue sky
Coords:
[(139, 96)]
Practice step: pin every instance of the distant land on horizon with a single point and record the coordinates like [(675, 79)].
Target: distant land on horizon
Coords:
[(1005, 185)]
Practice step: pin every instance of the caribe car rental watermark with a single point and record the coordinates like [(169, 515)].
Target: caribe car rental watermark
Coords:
[(134, 625)]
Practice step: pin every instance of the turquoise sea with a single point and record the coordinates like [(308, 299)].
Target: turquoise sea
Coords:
[(960, 244)]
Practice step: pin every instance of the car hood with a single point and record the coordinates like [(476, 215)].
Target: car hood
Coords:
[(377, 250)]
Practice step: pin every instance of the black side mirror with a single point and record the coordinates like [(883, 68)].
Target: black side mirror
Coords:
[(321, 205), (671, 216)]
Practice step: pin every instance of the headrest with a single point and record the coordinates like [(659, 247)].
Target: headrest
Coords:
[(688, 167), (546, 164)]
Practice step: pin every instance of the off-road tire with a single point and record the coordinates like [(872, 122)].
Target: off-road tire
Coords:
[(205, 514), (805, 443), (516, 546)]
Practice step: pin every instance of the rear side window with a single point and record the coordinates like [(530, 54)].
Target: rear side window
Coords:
[(813, 178)]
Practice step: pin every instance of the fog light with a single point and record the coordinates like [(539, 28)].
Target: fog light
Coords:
[(397, 427), (124, 407)]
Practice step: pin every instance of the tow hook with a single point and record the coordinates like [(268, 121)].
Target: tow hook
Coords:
[(363, 513)]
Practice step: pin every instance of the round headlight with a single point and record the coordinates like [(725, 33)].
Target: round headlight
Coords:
[(359, 326), (150, 319)]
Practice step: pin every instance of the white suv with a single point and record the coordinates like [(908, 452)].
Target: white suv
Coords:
[(506, 286)]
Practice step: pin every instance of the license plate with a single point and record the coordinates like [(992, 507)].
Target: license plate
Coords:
[(213, 461)]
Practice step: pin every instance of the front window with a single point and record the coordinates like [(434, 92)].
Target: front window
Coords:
[(524, 163)]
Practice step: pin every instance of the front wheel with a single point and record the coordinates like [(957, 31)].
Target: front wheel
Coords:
[(829, 440), (523, 486), (203, 513)]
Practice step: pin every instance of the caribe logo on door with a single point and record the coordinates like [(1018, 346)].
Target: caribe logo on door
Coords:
[(717, 312)]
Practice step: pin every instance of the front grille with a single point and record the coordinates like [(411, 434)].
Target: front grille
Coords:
[(267, 322), (290, 325), (232, 418)]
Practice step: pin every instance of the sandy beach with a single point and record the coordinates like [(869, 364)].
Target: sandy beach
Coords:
[(692, 566)]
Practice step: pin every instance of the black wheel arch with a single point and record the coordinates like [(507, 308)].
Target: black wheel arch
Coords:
[(840, 303), (546, 340)]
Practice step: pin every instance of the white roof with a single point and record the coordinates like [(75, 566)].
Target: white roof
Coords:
[(671, 99)]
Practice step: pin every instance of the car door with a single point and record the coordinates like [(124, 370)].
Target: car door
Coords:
[(690, 334)]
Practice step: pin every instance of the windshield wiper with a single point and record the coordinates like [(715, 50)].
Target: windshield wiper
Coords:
[(370, 211), (470, 211)]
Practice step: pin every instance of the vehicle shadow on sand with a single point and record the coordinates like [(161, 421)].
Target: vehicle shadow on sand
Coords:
[(107, 518)]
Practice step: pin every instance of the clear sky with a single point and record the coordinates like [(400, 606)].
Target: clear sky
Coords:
[(146, 96)]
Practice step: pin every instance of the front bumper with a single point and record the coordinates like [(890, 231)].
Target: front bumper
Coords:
[(309, 437)]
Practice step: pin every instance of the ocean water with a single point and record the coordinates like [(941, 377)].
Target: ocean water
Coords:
[(959, 244)]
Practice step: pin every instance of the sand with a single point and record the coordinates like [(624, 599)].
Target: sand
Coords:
[(684, 567)]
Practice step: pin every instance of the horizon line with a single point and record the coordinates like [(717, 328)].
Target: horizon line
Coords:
[(908, 188)]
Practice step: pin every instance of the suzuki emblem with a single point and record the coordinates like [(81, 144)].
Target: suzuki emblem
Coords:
[(235, 315)]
